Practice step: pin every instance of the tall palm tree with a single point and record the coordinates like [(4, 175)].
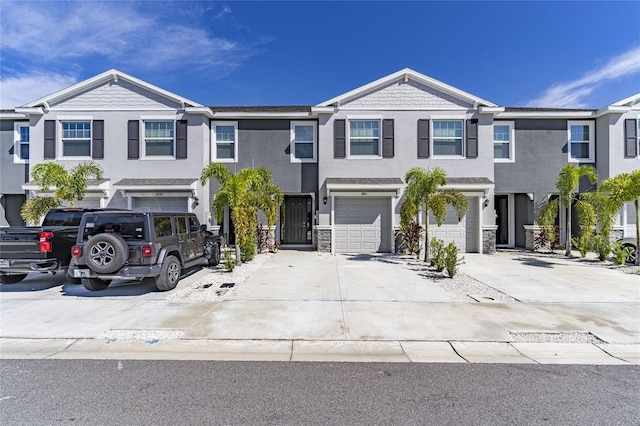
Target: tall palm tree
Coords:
[(423, 189), (567, 184), (68, 186), (245, 193), (625, 188)]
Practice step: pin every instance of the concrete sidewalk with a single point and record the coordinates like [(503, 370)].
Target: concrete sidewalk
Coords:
[(309, 306)]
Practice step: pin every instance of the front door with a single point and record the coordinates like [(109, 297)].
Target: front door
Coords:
[(297, 220), (502, 220)]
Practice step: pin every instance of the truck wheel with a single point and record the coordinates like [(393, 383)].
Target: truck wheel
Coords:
[(215, 255), (169, 274), (95, 284), (12, 279), (106, 253)]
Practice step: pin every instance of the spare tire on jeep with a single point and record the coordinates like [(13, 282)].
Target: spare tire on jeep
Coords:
[(106, 253)]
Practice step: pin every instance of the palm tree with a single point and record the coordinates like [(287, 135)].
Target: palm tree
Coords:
[(423, 189), (625, 188), (567, 184), (68, 186), (245, 193)]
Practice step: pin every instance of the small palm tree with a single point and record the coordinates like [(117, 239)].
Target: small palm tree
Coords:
[(245, 193), (567, 185), (625, 188), (423, 189), (68, 186)]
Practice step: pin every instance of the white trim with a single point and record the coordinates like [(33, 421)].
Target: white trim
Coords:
[(109, 75), (314, 142), (511, 220), (143, 139), (512, 139), (546, 114), (631, 100), (16, 142), (284, 115), (406, 74), (60, 137), (214, 150), (591, 141)]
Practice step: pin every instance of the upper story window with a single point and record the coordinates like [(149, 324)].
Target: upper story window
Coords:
[(581, 141), (21, 146), (225, 141), (76, 138), (503, 141), (364, 138), (159, 139), (303, 141), (447, 138)]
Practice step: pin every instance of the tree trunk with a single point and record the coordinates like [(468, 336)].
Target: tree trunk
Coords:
[(635, 202), (427, 257), (567, 243), (238, 254)]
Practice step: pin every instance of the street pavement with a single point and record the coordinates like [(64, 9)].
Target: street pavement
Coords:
[(310, 306)]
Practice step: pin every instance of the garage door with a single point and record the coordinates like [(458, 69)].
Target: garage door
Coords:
[(463, 234), (162, 204), (362, 225), (87, 203)]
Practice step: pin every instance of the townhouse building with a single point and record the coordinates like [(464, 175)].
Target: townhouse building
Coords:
[(340, 163)]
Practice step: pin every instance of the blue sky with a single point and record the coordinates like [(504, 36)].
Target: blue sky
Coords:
[(552, 54)]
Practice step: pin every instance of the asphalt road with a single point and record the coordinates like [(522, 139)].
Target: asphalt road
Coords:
[(76, 392)]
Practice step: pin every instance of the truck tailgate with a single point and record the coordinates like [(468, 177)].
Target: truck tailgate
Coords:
[(19, 243)]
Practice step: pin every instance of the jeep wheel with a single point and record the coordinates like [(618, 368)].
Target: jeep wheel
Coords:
[(95, 284), (106, 253), (12, 279), (215, 255), (631, 258), (169, 274)]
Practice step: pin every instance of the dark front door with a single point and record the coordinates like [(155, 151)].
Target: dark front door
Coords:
[(502, 219), (297, 220)]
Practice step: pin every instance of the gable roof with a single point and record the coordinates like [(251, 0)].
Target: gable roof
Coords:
[(115, 75), (407, 74), (630, 101)]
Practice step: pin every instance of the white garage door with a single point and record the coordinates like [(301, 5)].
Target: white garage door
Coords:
[(87, 203), (463, 234), (163, 204), (363, 225)]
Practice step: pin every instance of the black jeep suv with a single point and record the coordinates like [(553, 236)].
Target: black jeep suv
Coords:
[(133, 245)]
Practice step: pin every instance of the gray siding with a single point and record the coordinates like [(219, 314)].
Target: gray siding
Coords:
[(12, 175)]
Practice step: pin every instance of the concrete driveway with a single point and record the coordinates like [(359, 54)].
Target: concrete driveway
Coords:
[(315, 306)]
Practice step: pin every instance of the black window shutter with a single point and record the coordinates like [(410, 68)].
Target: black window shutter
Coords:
[(97, 144), (472, 138), (339, 139), (631, 138), (133, 145), (388, 141), (181, 139), (49, 139), (423, 138)]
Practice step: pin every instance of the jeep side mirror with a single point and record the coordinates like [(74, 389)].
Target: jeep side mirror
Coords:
[(203, 227)]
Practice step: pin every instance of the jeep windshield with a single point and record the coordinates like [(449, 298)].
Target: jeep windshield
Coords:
[(128, 226)]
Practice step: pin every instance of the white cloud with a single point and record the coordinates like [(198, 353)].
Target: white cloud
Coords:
[(137, 35), (17, 91), (572, 94)]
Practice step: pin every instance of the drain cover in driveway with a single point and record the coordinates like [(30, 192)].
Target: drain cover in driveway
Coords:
[(227, 285)]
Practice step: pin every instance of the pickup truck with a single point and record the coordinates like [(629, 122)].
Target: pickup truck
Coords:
[(45, 248), (133, 245)]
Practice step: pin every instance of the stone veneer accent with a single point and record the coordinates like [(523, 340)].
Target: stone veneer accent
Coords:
[(323, 240), (531, 233), (489, 240)]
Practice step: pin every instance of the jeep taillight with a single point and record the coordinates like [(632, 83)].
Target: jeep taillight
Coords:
[(76, 251), (45, 244), (147, 251)]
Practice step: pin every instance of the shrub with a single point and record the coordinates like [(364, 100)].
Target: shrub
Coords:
[(546, 242), (411, 238), (620, 252), (248, 249), (229, 263), (262, 239), (451, 259), (601, 246), (581, 244), (437, 254)]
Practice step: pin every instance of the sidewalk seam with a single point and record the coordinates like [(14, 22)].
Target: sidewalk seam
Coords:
[(457, 353)]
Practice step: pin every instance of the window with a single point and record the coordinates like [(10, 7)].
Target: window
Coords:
[(503, 143), (76, 138), (581, 141), (447, 137), (159, 139), (162, 225), (21, 146), (225, 138), (364, 138), (303, 141), (181, 225)]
